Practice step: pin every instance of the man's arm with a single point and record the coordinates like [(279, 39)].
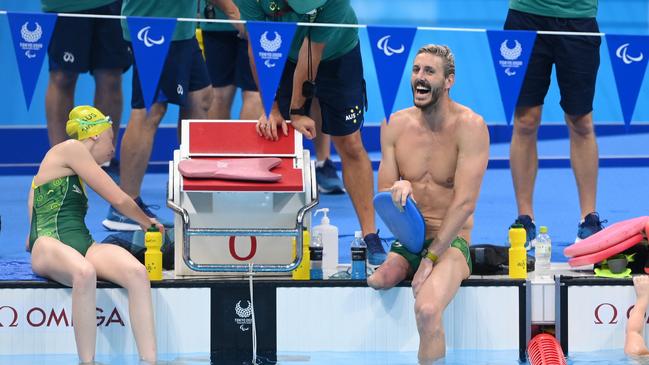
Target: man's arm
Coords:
[(473, 156), (634, 344), (232, 12), (388, 168)]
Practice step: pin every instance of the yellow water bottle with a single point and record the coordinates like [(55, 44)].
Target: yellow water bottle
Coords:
[(517, 252), (153, 255), (303, 271)]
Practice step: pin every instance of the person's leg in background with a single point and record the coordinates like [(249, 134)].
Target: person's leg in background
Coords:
[(220, 54), (523, 154), (59, 100), (108, 96), (200, 95), (251, 106), (68, 55), (577, 87), (325, 171)]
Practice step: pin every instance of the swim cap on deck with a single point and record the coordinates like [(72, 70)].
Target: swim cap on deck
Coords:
[(86, 121)]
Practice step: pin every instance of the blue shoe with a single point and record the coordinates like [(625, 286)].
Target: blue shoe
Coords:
[(116, 221), (589, 226), (530, 228), (328, 180), (375, 251)]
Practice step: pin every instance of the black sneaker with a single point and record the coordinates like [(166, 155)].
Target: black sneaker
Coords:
[(530, 228), (589, 226), (328, 180)]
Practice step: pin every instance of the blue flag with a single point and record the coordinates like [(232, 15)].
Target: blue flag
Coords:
[(31, 34), (271, 43), (390, 49), (629, 54), (510, 52), (150, 38)]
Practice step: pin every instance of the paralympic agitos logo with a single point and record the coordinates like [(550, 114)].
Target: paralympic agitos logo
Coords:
[(53, 317)]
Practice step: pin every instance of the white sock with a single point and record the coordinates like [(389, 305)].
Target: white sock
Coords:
[(319, 163)]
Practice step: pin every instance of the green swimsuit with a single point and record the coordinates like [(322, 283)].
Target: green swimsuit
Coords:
[(414, 260), (59, 211)]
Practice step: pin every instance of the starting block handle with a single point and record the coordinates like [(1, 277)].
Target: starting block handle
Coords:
[(283, 232)]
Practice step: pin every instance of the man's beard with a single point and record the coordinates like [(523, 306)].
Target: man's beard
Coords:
[(435, 93)]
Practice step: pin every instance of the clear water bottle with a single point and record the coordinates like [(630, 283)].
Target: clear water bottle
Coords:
[(315, 251), (543, 247), (359, 252)]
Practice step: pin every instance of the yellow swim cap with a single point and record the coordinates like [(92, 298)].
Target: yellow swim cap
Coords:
[(86, 121)]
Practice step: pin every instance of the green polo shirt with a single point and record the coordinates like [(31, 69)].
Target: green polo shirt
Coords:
[(162, 9), (218, 14), (339, 41), (65, 6), (557, 8)]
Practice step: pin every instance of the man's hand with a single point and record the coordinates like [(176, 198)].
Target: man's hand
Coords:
[(641, 284), (400, 190), (423, 272), (304, 125), (267, 128)]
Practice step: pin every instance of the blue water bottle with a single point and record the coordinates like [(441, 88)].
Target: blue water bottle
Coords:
[(359, 252)]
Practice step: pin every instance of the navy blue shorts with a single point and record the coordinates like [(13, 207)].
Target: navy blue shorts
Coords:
[(227, 60), (86, 44), (340, 88), (576, 59), (184, 71)]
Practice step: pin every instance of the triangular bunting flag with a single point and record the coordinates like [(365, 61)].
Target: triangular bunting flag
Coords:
[(31, 34), (271, 43), (150, 38), (390, 49), (510, 52), (629, 55)]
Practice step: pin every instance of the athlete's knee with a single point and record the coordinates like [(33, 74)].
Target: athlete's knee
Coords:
[(63, 79), (429, 316), (84, 276), (350, 146), (527, 121), (109, 81), (202, 99), (137, 274), (581, 125)]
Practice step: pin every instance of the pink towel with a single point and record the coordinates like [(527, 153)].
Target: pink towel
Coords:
[(249, 169)]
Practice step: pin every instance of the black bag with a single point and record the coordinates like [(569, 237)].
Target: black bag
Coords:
[(493, 260)]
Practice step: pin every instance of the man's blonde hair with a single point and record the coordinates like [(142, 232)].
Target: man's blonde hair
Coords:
[(444, 53)]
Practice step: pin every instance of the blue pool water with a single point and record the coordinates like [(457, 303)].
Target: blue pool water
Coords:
[(455, 357)]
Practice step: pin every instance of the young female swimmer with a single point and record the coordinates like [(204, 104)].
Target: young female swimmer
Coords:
[(60, 243)]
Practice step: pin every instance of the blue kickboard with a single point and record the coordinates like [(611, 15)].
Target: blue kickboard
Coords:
[(408, 227)]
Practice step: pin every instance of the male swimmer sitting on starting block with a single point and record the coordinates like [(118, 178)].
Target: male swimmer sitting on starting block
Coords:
[(634, 344), (60, 243), (435, 152)]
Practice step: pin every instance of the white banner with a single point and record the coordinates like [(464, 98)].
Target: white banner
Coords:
[(363, 319), (39, 321), (597, 317)]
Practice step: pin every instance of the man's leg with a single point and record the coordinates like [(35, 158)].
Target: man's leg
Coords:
[(196, 107), (326, 175), (136, 146), (222, 102), (523, 156), (358, 178), (59, 100), (108, 96), (251, 108), (584, 158), (433, 297), (393, 271)]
